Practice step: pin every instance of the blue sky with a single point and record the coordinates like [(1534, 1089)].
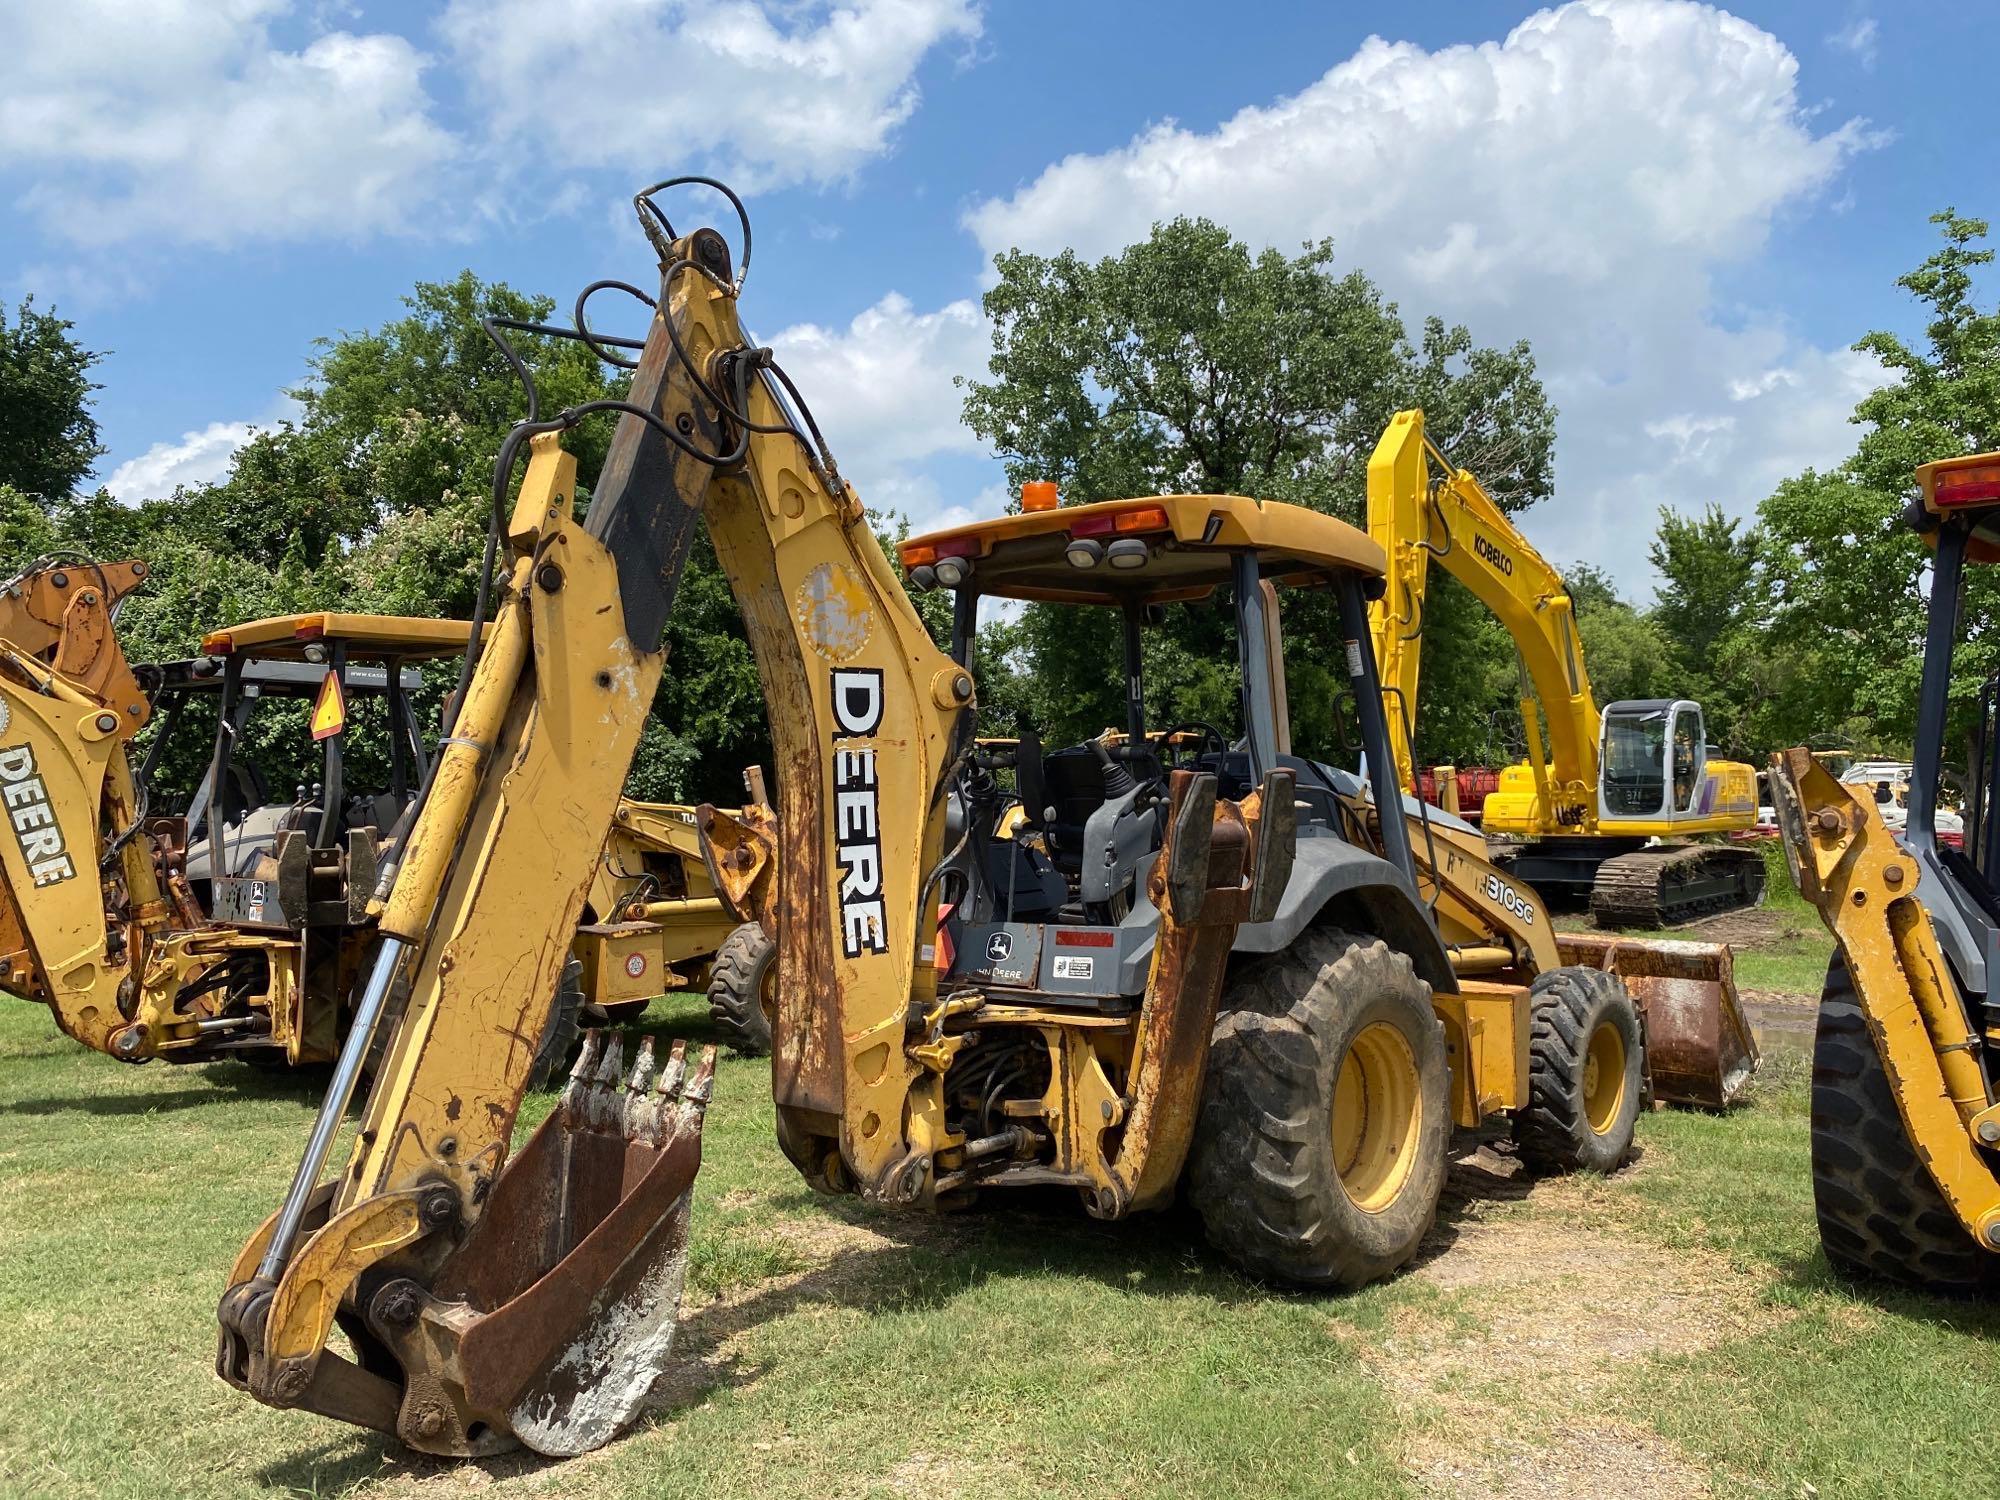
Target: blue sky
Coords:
[(1691, 213)]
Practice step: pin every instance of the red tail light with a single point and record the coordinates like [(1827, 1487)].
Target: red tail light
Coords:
[(1974, 485)]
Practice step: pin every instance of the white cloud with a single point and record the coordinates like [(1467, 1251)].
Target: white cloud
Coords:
[(881, 390), (768, 94), (1578, 184), (1861, 37), (195, 458), (182, 120)]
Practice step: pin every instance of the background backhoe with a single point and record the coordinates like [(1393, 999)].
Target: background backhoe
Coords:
[(254, 956), (1609, 808), (1906, 1061)]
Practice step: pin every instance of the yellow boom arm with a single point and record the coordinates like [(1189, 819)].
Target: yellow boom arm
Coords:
[(1420, 507)]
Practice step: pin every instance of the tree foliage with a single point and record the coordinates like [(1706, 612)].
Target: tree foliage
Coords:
[(48, 437), (1189, 364), (1842, 649), (376, 498)]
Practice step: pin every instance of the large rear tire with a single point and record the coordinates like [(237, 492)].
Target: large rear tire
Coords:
[(1320, 1151), (1880, 1212), (739, 990), (1586, 1073)]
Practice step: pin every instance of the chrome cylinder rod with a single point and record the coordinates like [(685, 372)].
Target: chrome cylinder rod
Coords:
[(333, 1108)]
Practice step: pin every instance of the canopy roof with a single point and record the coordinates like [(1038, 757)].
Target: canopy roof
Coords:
[(1191, 541), (285, 637)]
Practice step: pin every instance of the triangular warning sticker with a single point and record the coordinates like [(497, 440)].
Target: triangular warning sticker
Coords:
[(329, 709)]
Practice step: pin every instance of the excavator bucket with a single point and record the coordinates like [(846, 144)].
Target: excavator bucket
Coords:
[(550, 1324), (1699, 1047)]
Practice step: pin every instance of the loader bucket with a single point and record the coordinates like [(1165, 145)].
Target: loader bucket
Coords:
[(572, 1276), (1699, 1048)]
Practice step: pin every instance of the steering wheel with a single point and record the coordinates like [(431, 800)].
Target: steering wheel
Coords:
[(1210, 736)]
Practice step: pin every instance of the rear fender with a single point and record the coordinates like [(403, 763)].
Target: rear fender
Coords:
[(1333, 881)]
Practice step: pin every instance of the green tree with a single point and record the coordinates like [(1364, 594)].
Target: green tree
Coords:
[(1847, 621), (48, 438), (1711, 610), (376, 498), (1188, 363)]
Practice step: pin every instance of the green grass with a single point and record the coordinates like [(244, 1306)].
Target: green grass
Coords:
[(837, 1350), (844, 1351), (1855, 1392)]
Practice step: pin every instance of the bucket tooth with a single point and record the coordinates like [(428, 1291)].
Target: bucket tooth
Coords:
[(638, 1104), (667, 1097), (694, 1099), (607, 1091), (576, 1093), (674, 1073), (701, 1087)]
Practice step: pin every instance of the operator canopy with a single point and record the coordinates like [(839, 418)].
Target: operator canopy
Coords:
[(305, 637), (1154, 551)]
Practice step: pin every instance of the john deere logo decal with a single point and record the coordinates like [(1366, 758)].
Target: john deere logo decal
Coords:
[(1000, 947), (857, 716), (34, 821)]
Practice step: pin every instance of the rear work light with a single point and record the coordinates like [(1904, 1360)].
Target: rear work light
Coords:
[(1975, 484), (1122, 522)]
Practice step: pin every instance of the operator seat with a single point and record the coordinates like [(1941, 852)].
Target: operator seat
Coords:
[(1074, 788)]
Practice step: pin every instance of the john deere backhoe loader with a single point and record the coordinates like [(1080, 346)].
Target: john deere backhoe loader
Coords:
[(1610, 782), (1906, 1062), (251, 956), (1222, 972)]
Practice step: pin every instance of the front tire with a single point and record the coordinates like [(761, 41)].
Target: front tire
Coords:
[(1320, 1151), (1586, 1073), (564, 1028), (740, 990), (1881, 1214)]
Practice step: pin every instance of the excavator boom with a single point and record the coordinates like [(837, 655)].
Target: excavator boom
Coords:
[(1609, 781)]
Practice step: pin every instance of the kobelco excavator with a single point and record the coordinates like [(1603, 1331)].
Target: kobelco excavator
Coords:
[(1162, 959), (1610, 810)]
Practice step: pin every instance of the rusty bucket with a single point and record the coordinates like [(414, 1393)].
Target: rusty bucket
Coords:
[(549, 1325), (1699, 1047)]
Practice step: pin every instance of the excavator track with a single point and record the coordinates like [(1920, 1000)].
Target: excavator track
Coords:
[(1670, 885)]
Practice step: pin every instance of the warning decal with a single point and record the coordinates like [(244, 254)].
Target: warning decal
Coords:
[(329, 709)]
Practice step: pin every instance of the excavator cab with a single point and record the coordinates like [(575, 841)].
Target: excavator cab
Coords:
[(1654, 761), (1906, 1061)]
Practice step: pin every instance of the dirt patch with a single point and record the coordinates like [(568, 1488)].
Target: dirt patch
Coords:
[(1506, 1375), (1781, 1018), (1757, 927)]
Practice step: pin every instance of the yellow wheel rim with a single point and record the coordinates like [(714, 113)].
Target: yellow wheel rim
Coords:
[(1604, 1077), (1377, 1117)]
